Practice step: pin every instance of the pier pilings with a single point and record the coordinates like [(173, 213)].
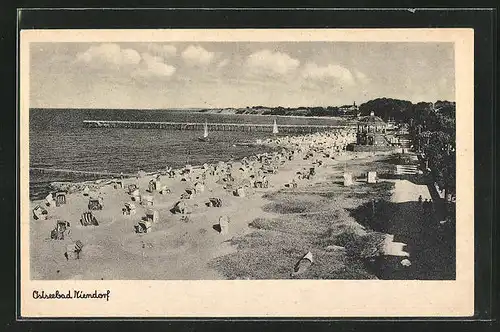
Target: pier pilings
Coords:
[(245, 127)]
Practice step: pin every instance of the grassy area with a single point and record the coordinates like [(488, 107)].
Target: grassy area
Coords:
[(272, 250), (325, 222), (379, 191), (286, 203), (276, 244)]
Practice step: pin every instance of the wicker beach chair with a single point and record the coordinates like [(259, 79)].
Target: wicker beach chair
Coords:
[(39, 213), (95, 204), (214, 202), (88, 219), (73, 250), (143, 227), (60, 231), (60, 198)]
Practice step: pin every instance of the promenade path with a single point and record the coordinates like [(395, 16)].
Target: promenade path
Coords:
[(407, 191), (431, 247)]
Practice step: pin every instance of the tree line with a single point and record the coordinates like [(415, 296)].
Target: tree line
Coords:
[(432, 129), (292, 111)]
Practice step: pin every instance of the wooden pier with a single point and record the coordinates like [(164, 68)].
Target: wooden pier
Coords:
[(211, 126)]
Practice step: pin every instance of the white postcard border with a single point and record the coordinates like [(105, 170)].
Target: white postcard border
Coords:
[(268, 298)]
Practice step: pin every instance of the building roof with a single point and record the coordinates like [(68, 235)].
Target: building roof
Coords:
[(372, 119)]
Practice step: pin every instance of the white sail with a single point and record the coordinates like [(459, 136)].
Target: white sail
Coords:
[(275, 127), (205, 133)]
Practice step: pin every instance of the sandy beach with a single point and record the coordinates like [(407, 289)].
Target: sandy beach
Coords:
[(269, 228)]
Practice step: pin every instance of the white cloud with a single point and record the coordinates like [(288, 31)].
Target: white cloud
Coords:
[(164, 50), (223, 63), (197, 55), (154, 66), (109, 54), (331, 72), (361, 77), (268, 62)]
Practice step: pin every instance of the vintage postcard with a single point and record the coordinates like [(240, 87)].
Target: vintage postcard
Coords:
[(246, 173)]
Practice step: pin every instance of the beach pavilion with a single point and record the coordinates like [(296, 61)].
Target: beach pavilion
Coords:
[(370, 129)]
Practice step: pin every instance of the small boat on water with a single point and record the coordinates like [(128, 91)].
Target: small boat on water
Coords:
[(275, 127), (205, 134)]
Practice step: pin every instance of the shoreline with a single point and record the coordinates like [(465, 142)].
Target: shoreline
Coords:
[(212, 241), (107, 180), (193, 247)]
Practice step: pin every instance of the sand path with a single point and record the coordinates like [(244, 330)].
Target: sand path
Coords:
[(431, 248), (406, 191)]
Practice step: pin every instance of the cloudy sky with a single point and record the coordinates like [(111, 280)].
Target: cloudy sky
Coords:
[(237, 74)]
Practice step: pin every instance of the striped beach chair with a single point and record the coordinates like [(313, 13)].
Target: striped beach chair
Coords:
[(73, 250), (60, 198), (214, 202), (88, 219)]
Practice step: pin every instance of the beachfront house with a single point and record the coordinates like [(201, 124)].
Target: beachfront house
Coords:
[(370, 130), (348, 109)]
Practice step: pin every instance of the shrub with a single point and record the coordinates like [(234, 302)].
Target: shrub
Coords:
[(366, 246)]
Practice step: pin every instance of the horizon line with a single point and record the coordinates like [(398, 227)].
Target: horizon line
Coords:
[(232, 107)]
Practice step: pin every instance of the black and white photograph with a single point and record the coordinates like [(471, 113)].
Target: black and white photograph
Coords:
[(242, 160)]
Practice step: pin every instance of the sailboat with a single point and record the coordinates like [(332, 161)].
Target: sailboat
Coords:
[(275, 127), (205, 133)]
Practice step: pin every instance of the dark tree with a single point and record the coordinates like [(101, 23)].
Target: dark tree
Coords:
[(388, 108)]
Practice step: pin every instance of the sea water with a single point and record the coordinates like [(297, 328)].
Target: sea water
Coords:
[(58, 140)]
